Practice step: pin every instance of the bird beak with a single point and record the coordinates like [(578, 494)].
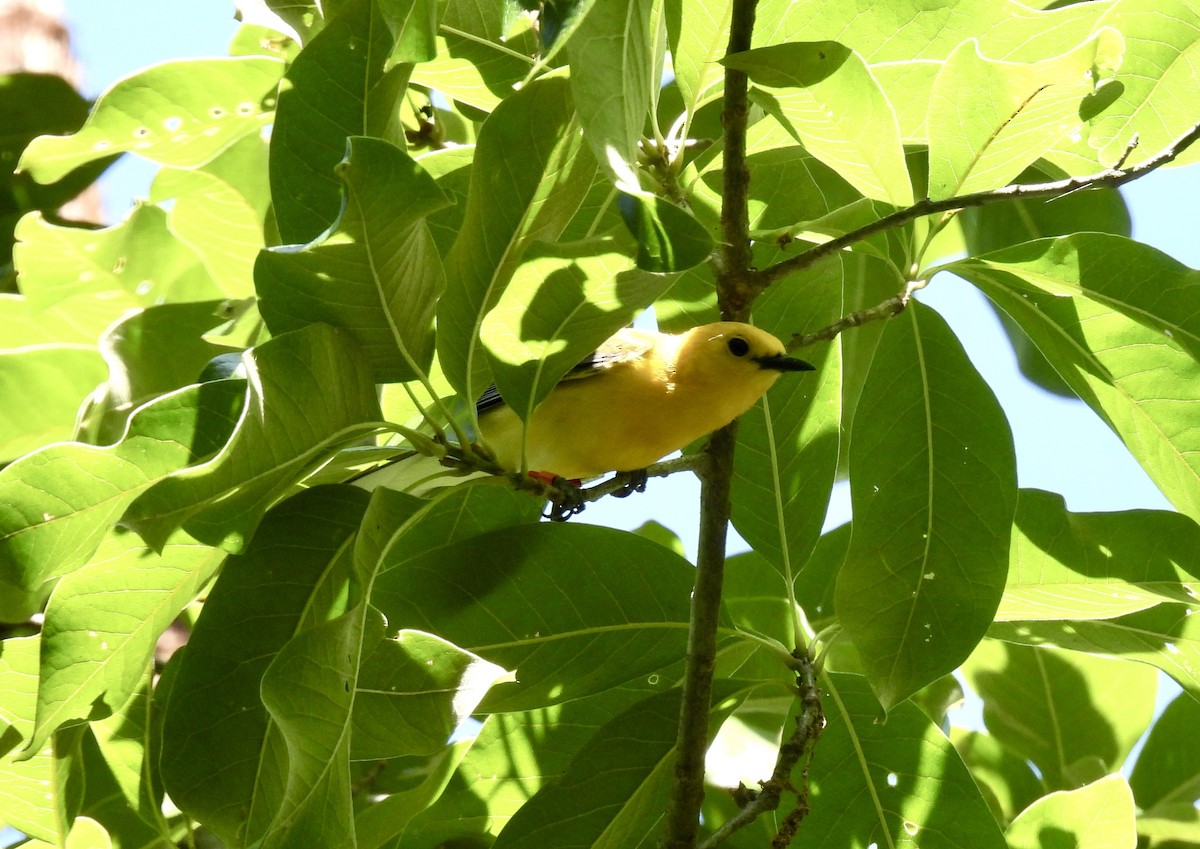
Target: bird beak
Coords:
[(782, 362)]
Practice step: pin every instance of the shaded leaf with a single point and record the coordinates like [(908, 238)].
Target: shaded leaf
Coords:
[(1167, 771), (1058, 708), (933, 485), (308, 394), (1096, 565), (901, 783), (336, 88), (376, 273)]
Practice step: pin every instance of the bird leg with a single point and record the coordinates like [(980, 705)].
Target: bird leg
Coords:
[(632, 481), (565, 496)]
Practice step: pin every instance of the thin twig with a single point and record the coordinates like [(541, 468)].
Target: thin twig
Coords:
[(891, 307), (1108, 178), (809, 725)]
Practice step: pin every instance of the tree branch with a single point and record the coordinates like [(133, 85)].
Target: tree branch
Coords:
[(1109, 178), (891, 307), (735, 292), (809, 725)]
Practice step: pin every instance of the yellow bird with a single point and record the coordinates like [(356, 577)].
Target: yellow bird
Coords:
[(639, 397)]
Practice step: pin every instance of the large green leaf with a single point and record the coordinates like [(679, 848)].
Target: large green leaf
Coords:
[(824, 94), (1158, 78), (480, 58), (612, 792), (1004, 776), (1166, 636), (1167, 771), (788, 445), (57, 504), (149, 353), (698, 34), (223, 759), (612, 81), (309, 393), (97, 645), (1120, 322), (43, 388), (1099, 815), (989, 120), (1096, 565), (39, 796), (219, 211), (501, 594), (513, 201), (180, 113), (1058, 709), (902, 783), (375, 273), (562, 302), (336, 88), (136, 263), (933, 485)]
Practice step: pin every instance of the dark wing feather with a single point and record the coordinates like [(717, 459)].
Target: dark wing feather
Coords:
[(624, 346)]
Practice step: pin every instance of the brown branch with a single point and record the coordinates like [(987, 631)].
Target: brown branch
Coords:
[(1108, 178), (891, 307), (735, 293), (809, 725)]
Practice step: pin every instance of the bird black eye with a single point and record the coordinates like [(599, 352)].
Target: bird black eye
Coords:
[(738, 346)]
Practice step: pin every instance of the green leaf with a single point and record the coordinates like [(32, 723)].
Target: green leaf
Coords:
[(1166, 636), (1167, 771), (1057, 708), (1120, 322), (788, 445), (1096, 565), (223, 760), (180, 113), (826, 97), (480, 59), (500, 595), (43, 388), (414, 690), (414, 26), (57, 504), (933, 486), (96, 645), (562, 302), (612, 82), (336, 88), (668, 237), (698, 34), (613, 791), (1004, 777), (513, 757), (309, 393), (1098, 816), (219, 211), (513, 201), (989, 120), (1157, 78), (37, 796), (376, 273), (902, 783), (150, 353), (133, 264)]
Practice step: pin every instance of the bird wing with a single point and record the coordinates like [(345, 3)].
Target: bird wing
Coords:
[(624, 346)]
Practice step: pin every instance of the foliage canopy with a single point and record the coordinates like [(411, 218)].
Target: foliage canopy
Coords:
[(355, 230)]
